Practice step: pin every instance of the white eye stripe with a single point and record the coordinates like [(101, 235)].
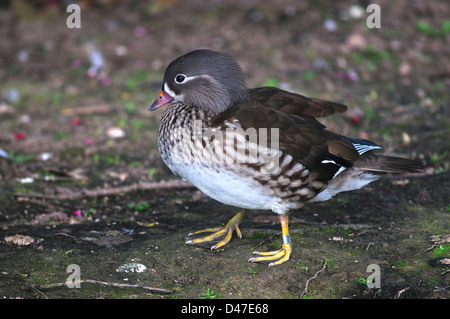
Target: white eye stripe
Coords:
[(169, 91), (186, 78)]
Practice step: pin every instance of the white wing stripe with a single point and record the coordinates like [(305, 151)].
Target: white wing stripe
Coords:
[(361, 148)]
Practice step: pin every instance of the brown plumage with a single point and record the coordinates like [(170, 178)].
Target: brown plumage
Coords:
[(260, 148), (294, 104)]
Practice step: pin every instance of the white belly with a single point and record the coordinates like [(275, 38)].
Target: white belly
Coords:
[(226, 187)]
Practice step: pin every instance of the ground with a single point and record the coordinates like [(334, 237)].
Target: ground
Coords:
[(83, 184)]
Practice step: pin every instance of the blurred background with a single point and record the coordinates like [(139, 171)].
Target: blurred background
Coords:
[(77, 95), (73, 103)]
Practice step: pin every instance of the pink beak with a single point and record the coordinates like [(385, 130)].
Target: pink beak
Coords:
[(163, 98)]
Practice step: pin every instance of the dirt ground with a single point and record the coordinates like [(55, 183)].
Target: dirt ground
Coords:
[(82, 184)]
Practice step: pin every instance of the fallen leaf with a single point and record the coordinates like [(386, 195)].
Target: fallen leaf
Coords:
[(445, 261), (441, 239), (20, 240)]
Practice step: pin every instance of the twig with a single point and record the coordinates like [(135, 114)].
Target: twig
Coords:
[(313, 277), (82, 110), (428, 249), (20, 281), (266, 240), (67, 235), (107, 283), (437, 240), (109, 191), (418, 284), (400, 292)]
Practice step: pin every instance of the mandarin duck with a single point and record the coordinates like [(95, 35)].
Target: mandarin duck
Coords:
[(259, 148)]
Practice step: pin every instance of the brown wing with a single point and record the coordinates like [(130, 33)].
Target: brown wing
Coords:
[(300, 136), (304, 110), (294, 104)]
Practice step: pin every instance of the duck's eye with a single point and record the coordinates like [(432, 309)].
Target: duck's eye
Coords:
[(180, 78)]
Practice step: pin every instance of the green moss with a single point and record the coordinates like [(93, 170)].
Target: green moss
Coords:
[(442, 251), (329, 230), (400, 264), (258, 235)]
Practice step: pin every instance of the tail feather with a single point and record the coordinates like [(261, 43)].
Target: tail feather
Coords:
[(388, 164), (367, 168)]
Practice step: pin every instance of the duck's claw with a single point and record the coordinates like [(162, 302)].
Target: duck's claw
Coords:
[(219, 236)]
